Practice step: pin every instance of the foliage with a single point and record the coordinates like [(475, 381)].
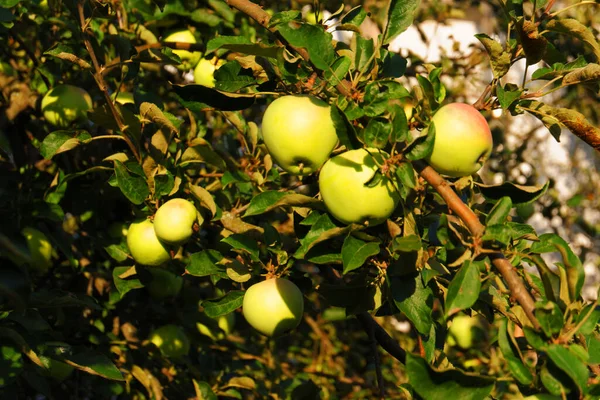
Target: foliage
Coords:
[(451, 248)]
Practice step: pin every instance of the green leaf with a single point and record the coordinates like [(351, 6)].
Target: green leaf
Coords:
[(415, 300), (269, 200), (134, 187), (204, 263), (422, 147), (344, 129), (355, 252), (60, 141), (499, 213), (241, 44), (515, 365), (379, 94), (400, 16), (406, 244), (311, 37), (363, 52), (323, 229), (499, 58), (569, 364), (377, 133), (245, 243), (576, 29), (550, 318), (11, 364), (226, 304), (507, 95), (431, 384), (198, 97), (127, 284), (338, 70), (534, 44), (464, 289), (95, 363), (231, 77), (9, 3), (519, 194), (593, 345), (204, 391), (117, 251), (200, 151)]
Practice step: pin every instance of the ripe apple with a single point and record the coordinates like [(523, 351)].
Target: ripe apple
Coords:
[(65, 104), (274, 306), (204, 73), (40, 249), (174, 220), (463, 140), (299, 133), (225, 322), (164, 283), (344, 182), (55, 369), (466, 332), (189, 59), (144, 246), (171, 340)]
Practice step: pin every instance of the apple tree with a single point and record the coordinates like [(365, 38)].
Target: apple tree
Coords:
[(234, 199)]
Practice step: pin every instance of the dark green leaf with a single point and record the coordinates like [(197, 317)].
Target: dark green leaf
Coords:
[(422, 147), (355, 252), (198, 97), (518, 193), (415, 300), (400, 16), (569, 364), (226, 304), (464, 289), (311, 37), (244, 243), (204, 263), (95, 363), (499, 212), (269, 200), (60, 141), (133, 186), (127, 284), (499, 59)]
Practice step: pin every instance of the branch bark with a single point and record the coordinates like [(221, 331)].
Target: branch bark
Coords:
[(514, 282)]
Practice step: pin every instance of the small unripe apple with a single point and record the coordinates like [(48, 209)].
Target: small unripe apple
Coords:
[(171, 340), (463, 140), (204, 73), (40, 249), (174, 220), (189, 59), (466, 332), (347, 190), (299, 133), (65, 104), (164, 283), (225, 322), (144, 246), (274, 306), (57, 370)]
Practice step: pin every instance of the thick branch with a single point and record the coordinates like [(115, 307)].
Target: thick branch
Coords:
[(256, 12), (515, 283)]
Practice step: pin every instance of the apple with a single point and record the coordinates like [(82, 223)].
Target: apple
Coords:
[(225, 322), (174, 220), (463, 140), (171, 340), (299, 133), (65, 104), (144, 246), (164, 283), (344, 182), (40, 249), (55, 369), (189, 59), (204, 73), (274, 306), (466, 332)]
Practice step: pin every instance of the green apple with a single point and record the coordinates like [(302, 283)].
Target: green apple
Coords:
[(299, 133), (174, 221), (189, 59), (55, 369), (164, 283), (123, 98), (171, 340), (144, 246), (349, 192), (40, 249), (274, 306), (466, 332), (225, 322), (65, 104), (204, 73), (463, 140)]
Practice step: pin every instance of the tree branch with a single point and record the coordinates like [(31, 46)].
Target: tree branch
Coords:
[(515, 283), (101, 83)]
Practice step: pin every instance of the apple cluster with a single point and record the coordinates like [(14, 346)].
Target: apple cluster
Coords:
[(149, 241), (300, 135)]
